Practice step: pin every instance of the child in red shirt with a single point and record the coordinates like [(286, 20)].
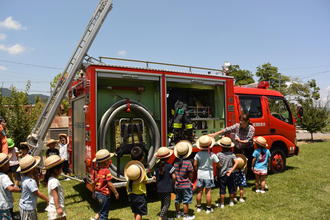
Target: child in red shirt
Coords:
[(103, 184)]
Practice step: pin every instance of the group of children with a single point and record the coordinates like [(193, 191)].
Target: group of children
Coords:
[(176, 178), (20, 172)]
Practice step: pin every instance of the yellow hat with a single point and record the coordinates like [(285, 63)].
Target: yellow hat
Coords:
[(103, 155), (3, 159), (135, 171), (52, 161), (183, 149), (205, 142), (27, 163), (260, 141), (226, 142), (163, 152)]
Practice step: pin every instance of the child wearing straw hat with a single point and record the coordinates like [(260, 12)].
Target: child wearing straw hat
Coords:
[(228, 165), (184, 174), (30, 192), (260, 163), (52, 144), (63, 144), (239, 176), (203, 163), (6, 189), (136, 177), (53, 166), (165, 178), (103, 184)]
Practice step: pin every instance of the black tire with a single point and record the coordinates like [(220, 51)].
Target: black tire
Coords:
[(278, 160)]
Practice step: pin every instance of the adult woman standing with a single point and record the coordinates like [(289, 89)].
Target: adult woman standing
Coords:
[(243, 135)]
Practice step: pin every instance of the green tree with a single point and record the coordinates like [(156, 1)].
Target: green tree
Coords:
[(19, 114), (242, 77), (277, 81), (316, 117)]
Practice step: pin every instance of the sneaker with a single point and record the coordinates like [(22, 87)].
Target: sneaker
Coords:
[(222, 206), (179, 214), (235, 199), (241, 200), (217, 204), (262, 191), (258, 190), (67, 179), (231, 203), (199, 209), (209, 210), (187, 217)]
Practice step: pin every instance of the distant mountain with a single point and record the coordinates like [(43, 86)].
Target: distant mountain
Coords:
[(31, 99)]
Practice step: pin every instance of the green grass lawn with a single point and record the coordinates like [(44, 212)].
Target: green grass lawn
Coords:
[(301, 192)]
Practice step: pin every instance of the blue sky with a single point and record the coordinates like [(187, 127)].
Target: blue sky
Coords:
[(292, 35)]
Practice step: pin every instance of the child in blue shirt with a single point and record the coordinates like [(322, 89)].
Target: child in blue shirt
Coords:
[(260, 163), (30, 192)]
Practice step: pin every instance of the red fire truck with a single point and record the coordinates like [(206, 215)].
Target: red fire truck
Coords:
[(119, 107)]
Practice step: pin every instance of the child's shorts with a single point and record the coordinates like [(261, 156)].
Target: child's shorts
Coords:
[(239, 178), (261, 172), (184, 195), (138, 204), (205, 183), (28, 214), (227, 181)]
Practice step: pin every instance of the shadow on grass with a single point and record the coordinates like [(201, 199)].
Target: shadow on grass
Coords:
[(313, 141), (122, 202), (41, 206)]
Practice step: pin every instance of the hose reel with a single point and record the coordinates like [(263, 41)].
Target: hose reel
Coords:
[(109, 118)]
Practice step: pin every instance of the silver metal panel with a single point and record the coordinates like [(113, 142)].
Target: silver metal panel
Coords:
[(126, 75), (78, 126)]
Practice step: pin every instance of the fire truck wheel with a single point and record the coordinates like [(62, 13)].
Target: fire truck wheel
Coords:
[(278, 160)]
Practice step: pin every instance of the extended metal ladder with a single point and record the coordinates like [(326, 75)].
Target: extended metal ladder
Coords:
[(36, 138)]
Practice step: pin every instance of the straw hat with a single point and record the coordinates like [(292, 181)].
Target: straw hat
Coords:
[(3, 159), (52, 161), (183, 148), (163, 152), (10, 143), (135, 171), (205, 142), (103, 155), (242, 161), (27, 163), (24, 144), (51, 141), (226, 142), (260, 141)]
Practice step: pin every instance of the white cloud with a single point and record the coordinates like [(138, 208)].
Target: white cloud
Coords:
[(3, 68), (15, 49), (10, 23), (328, 89), (122, 53), (2, 36)]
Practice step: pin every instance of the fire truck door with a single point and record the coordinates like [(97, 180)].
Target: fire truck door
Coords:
[(78, 136), (280, 118)]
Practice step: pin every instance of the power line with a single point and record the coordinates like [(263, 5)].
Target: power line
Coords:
[(30, 64), (313, 74)]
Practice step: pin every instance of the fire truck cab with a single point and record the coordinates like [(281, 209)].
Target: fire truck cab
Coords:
[(272, 118)]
